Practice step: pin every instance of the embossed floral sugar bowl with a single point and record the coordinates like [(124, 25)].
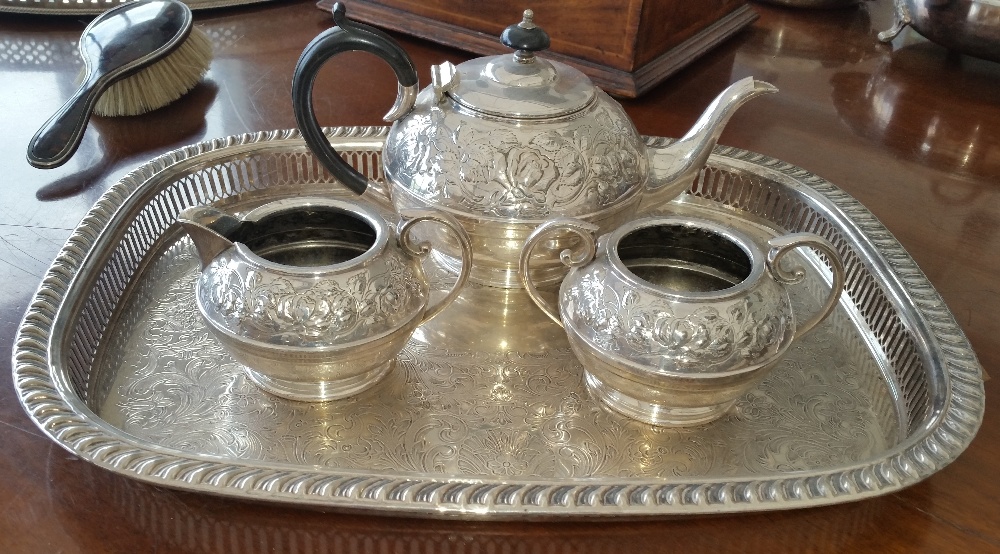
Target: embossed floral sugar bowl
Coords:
[(315, 296), (507, 142), (673, 318)]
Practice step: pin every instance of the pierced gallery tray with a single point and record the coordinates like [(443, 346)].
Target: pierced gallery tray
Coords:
[(485, 413)]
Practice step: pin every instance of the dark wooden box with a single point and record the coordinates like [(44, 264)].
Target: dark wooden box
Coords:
[(625, 46)]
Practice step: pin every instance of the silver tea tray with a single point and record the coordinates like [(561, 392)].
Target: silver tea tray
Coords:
[(485, 413)]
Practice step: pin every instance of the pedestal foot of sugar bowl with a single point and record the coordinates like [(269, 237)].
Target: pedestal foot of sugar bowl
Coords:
[(319, 391), (661, 415)]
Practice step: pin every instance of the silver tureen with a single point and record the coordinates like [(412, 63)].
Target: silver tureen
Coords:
[(507, 142)]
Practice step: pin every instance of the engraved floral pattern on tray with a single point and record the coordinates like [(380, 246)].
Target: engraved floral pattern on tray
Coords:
[(453, 412)]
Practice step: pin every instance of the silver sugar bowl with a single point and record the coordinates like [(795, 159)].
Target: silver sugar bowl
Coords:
[(315, 296), (504, 143), (673, 318)]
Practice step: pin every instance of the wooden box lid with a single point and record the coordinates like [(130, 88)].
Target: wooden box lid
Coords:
[(625, 46)]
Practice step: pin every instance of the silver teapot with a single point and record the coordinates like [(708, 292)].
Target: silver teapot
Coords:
[(673, 318), (315, 296), (504, 143)]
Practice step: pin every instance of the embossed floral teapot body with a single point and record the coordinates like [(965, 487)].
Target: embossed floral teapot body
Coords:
[(673, 319), (504, 143), (314, 296)]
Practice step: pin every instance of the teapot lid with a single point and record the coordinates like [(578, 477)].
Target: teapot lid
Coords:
[(519, 86)]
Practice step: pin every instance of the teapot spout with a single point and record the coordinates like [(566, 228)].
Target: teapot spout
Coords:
[(208, 228), (673, 167)]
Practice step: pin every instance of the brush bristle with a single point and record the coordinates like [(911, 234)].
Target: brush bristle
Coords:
[(161, 83)]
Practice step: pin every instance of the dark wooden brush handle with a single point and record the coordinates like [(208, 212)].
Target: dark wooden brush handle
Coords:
[(59, 137)]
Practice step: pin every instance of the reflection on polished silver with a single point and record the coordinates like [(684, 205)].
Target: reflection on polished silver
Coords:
[(486, 414), (315, 296), (674, 319), (968, 26), (505, 142)]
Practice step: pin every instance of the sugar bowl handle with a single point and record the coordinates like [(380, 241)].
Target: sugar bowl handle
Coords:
[(578, 256), (411, 217), (783, 245), (346, 36)]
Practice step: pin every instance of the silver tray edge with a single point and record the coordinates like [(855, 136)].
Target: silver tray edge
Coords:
[(48, 399)]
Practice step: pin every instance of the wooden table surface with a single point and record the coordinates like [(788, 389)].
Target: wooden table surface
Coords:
[(908, 129)]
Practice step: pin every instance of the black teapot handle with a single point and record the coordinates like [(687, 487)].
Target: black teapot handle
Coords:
[(346, 36)]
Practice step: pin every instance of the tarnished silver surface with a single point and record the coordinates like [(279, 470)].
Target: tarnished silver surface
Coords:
[(968, 26), (674, 318), (486, 413), (315, 296)]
